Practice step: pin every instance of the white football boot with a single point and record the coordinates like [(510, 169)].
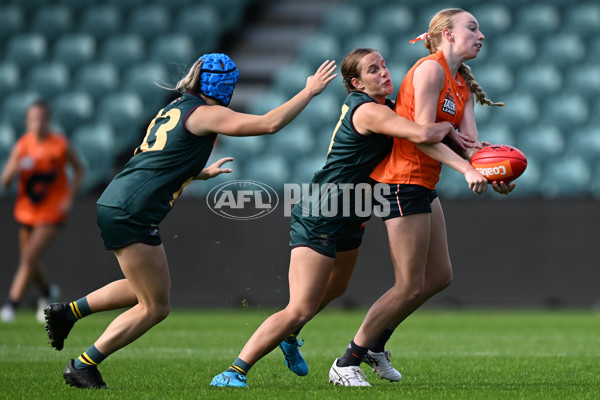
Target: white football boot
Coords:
[(347, 376), (381, 365), (8, 313), (44, 302)]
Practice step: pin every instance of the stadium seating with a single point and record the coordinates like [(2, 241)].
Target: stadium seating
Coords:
[(293, 141), (567, 111), (172, 49), (398, 20), (75, 49), (543, 79), (123, 112), (144, 79), (538, 19), (97, 79), (100, 60), (585, 142), (583, 18), (566, 176), (52, 21), (72, 109), (202, 23), (583, 80), (315, 49), (123, 50), (343, 20), (520, 110), (26, 49), (101, 21), (48, 79), (563, 49), (372, 40), (272, 169), (150, 21), (494, 19), (495, 79), (9, 77), (7, 140), (14, 108), (11, 20), (515, 49), (496, 134), (291, 79), (94, 143)]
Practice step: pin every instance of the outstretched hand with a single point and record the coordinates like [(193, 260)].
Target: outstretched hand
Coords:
[(316, 83), (214, 169)]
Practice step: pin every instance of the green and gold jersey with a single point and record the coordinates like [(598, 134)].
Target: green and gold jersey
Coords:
[(350, 160), (167, 160)]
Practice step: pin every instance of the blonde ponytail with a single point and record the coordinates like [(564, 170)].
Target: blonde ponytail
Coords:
[(475, 87)]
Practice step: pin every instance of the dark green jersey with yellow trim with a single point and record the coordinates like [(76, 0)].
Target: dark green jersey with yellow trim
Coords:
[(350, 160), (167, 160)]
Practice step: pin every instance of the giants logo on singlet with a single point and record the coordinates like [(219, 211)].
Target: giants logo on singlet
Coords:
[(449, 106)]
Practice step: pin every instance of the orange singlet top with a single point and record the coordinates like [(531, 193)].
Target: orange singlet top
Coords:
[(406, 164), (43, 185)]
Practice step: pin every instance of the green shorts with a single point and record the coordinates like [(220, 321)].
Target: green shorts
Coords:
[(326, 236), (120, 229)]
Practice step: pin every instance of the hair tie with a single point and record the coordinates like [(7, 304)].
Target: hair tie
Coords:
[(422, 36)]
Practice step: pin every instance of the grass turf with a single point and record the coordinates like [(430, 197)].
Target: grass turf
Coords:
[(441, 354)]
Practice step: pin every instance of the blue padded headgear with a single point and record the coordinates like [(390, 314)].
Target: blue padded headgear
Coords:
[(218, 76)]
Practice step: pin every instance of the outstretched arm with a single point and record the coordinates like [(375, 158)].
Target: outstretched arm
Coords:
[(378, 118), (219, 119)]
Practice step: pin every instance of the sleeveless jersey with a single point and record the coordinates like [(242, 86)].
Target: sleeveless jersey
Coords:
[(167, 160), (406, 164), (350, 160), (43, 185)]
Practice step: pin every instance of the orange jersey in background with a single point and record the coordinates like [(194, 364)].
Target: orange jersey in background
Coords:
[(43, 185), (406, 164)]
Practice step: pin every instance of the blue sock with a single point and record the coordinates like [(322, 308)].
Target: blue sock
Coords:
[(79, 309), (239, 366), (90, 358)]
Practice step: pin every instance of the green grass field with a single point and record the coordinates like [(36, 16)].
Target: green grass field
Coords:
[(441, 354)]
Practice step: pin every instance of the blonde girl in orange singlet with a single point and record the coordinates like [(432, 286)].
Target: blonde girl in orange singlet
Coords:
[(44, 198), (439, 87)]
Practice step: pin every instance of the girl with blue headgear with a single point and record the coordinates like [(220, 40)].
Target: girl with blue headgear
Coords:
[(174, 152)]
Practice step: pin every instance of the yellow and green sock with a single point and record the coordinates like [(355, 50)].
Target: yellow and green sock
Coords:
[(239, 366), (78, 309), (90, 358)]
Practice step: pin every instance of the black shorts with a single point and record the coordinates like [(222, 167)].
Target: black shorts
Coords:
[(326, 236), (120, 229), (408, 199)]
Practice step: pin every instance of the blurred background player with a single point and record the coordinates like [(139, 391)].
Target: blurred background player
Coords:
[(324, 249), (174, 152), (439, 87), (44, 198)]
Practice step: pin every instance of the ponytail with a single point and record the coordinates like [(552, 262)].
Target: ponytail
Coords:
[(475, 87)]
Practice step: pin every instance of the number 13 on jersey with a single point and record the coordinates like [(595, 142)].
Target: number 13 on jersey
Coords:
[(156, 139)]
